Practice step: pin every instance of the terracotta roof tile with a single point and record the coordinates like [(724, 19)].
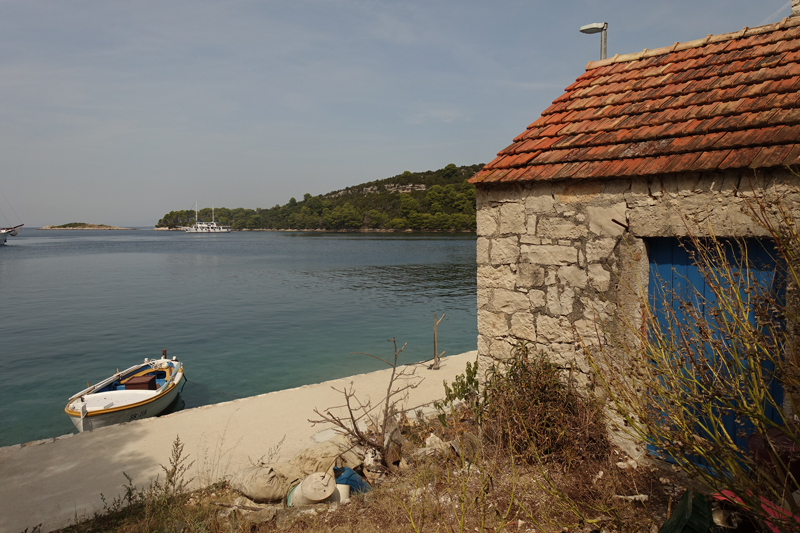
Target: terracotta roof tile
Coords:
[(734, 139), (793, 157), (682, 162), (764, 136), (531, 173), (548, 172), (739, 158), (725, 101), (707, 141), (788, 116), (787, 134), (710, 160), (681, 145), (771, 156), (508, 149), (538, 122), (497, 175), (493, 162)]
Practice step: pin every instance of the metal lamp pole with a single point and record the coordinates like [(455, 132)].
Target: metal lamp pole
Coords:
[(598, 27)]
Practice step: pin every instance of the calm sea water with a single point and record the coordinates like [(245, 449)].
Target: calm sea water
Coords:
[(247, 313)]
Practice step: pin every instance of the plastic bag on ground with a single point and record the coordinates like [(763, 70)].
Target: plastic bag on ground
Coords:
[(346, 476), (320, 458), (267, 483)]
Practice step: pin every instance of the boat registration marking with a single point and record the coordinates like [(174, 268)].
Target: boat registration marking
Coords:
[(140, 414)]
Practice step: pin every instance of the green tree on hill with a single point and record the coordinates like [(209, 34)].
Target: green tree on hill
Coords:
[(434, 200)]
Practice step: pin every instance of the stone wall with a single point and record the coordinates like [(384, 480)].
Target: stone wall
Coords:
[(556, 259)]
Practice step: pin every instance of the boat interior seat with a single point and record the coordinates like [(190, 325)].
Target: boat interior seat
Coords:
[(160, 382)]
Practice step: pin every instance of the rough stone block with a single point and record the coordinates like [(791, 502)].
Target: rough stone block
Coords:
[(688, 184), (553, 329), (561, 354), (500, 194), (523, 326), (614, 191), (528, 238), (540, 201), (639, 194), (567, 299), (495, 348), (656, 189), (512, 219), (656, 221), (484, 297), (600, 278), (486, 220), (491, 324), (559, 228), (482, 250), (600, 219), (484, 345), (599, 249), (589, 333), (529, 275), (509, 301), (501, 348), (500, 277), (699, 212), (547, 254), (530, 224), (559, 302), (578, 192), (598, 310), (572, 276), (504, 251), (537, 298)]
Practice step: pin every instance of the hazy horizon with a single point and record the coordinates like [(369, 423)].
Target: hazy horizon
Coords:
[(119, 112)]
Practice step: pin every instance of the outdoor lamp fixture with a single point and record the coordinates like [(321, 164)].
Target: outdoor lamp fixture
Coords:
[(598, 27)]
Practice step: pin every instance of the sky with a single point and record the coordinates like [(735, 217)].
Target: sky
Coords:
[(117, 112)]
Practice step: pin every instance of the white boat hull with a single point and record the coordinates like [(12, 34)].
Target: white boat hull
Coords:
[(207, 227), (90, 410), (5, 232)]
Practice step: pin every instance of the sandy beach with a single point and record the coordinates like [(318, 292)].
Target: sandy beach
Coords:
[(51, 482)]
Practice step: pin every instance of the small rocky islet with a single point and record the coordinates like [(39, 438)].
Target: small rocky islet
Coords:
[(84, 226)]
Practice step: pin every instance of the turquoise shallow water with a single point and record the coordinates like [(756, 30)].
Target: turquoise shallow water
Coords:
[(247, 313)]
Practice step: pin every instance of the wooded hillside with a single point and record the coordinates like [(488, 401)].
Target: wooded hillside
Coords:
[(434, 200)]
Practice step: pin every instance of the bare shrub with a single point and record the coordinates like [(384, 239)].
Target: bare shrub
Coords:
[(374, 426), (682, 374)]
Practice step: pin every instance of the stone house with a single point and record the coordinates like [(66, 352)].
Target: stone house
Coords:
[(640, 148)]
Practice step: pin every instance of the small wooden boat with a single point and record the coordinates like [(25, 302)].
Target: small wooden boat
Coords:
[(142, 391)]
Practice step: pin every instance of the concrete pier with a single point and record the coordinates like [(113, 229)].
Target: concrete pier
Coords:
[(55, 481)]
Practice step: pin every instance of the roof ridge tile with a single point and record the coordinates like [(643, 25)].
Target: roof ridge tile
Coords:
[(789, 23)]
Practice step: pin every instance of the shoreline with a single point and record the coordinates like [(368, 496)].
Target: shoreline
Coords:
[(87, 228), (362, 230), (53, 481)]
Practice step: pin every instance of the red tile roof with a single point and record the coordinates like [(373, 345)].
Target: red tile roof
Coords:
[(724, 102)]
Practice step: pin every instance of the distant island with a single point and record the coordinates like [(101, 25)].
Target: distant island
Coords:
[(434, 200), (82, 225)]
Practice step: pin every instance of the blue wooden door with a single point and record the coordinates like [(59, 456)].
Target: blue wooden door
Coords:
[(676, 281)]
